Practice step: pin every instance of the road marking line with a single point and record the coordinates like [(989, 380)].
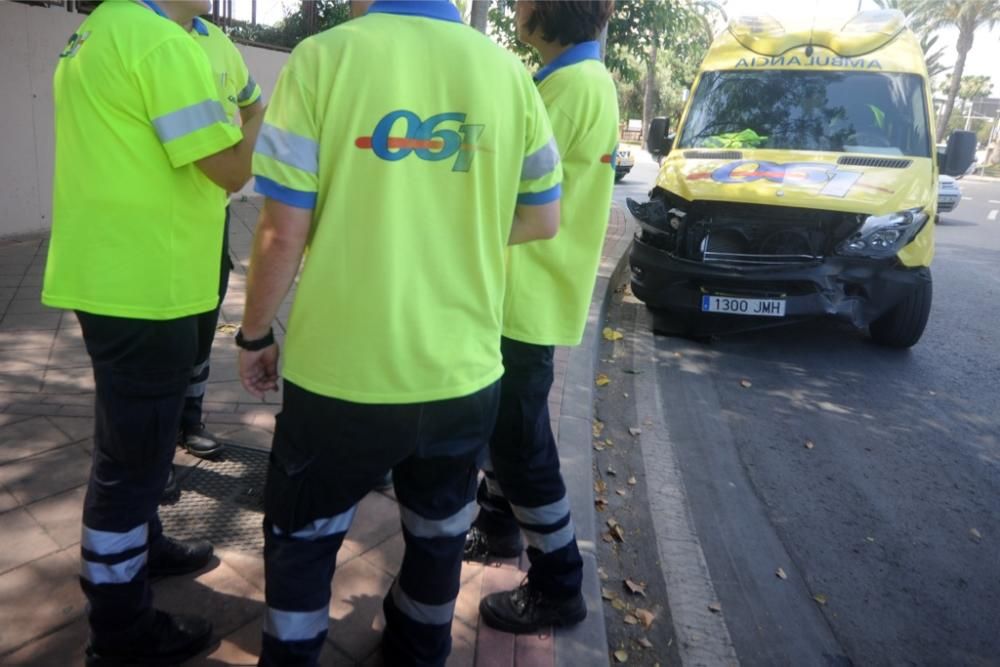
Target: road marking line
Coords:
[(993, 214), (966, 198), (994, 201)]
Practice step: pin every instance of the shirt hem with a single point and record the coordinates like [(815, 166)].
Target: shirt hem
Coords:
[(117, 310), (440, 394), (532, 339)]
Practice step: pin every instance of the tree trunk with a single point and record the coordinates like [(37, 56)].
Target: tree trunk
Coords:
[(964, 46), (479, 15), (649, 98)]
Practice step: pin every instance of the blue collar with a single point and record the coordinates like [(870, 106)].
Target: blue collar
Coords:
[(576, 54), (431, 9), (199, 27)]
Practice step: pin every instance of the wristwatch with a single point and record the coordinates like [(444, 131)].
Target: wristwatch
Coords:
[(254, 345)]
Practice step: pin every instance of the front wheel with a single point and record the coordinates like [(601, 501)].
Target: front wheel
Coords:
[(904, 324)]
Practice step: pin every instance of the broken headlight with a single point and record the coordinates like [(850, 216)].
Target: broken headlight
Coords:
[(882, 236)]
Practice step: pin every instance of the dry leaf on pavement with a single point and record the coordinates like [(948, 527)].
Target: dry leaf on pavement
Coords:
[(810, 444), (598, 428), (621, 656), (715, 607), (645, 643), (820, 598), (631, 620), (633, 431), (637, 588), (226, 328), (607, 594), (618, 604), (646, 616), (975, 534), (602, 380), (602, 574), (745, 383), (621, 492), (612, 334), (781, 573), (598, 447), (611, 471), (632, 481)]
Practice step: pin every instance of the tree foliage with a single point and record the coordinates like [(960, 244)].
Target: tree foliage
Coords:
[(295, 26)]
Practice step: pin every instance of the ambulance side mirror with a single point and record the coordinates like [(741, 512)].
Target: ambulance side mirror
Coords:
[(657, 142), (959, 155)]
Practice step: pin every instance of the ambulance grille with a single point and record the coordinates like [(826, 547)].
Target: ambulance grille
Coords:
[(713, 155), (880, 162)]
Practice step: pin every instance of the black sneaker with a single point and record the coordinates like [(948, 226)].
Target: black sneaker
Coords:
[(526, 609), (170, 640), (201, 443), (172, 491), (481, 546), (168, 556)]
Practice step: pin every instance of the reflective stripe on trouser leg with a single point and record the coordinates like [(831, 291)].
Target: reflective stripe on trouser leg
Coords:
[(298, 570)]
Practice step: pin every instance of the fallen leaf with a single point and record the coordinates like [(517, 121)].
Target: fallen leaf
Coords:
[(602, 574), (630, 619), (645, 643), (975, 534), (715, 607), (607, 538), (612, 334), (932, 392), (618, 604), (625, 394), (621, 492), (621, 656), (598, 447), (226, 328), (810, 444), (634, 431), (870, 539), (678, 354), (612, 522), (602, 380), (745, 383), (646, 616), (618, 533), (597, 428), (637, 588), (632, 481), (611, 471), (781, 573), (820, 598), (631, 371), (600, 486), (609, 442), (607, 594), (600, 502)]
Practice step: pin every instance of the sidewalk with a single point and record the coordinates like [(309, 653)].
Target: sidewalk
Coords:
[(46, 423)]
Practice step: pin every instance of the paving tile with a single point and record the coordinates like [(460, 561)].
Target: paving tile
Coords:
[(69, 380), (356, 608), (61, 515), (27, 307), (63, 647), (250, 566), (219, 594), (32, 541), (27, 437), (17, 340), (247, 437), (7, 501), (240, 647), (495, 648), (535, 650), (47, 474), (388, 555), (31, 321), (376, 521), (467, 604), (463, 645), (75, 428), (22, 376), (39, 597)]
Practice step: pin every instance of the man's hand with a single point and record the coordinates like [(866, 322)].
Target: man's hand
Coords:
[(259, 370)]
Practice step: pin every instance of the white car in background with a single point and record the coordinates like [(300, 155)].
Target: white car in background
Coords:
[(949, 194)]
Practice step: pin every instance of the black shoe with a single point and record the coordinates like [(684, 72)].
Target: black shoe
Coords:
[(168, 556), (201, 443), (170, 640), (172, 491), (480, 546), (526, 609)]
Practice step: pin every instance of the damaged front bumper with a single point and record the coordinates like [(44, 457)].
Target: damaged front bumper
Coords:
[(856, 290)]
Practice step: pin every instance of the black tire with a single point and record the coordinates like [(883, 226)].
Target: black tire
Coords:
[(904, 324)]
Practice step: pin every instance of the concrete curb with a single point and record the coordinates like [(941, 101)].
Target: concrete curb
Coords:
[(586, 643)]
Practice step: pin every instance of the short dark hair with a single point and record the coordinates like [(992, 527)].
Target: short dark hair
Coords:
[(570, 21)]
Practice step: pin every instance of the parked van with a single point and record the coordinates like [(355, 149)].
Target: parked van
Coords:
[(802, 182)]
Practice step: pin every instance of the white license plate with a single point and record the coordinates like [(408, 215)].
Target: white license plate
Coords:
[(738, 306)]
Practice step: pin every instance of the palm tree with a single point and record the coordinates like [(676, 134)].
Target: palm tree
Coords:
[(967, 16)]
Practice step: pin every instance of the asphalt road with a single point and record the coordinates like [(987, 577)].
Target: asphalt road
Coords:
[(870, 476)]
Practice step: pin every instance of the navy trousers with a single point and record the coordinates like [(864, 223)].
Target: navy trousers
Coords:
[(523, 487), (141, 370), (327, 455)]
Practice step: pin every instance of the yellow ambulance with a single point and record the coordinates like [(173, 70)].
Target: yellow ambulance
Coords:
[(801, 182)]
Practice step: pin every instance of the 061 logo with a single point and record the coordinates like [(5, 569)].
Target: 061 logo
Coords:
[(444, 135)]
